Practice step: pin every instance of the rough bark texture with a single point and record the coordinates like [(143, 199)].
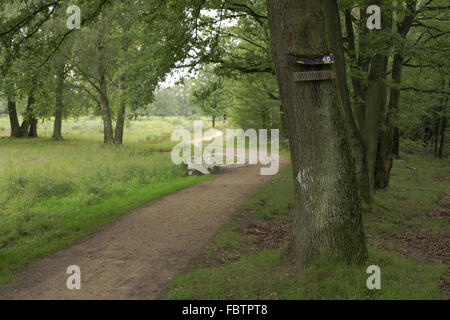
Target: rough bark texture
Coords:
[(59, 93), (327, 220), (13, 118)]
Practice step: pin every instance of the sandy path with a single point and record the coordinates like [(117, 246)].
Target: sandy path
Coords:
[(138, 255)]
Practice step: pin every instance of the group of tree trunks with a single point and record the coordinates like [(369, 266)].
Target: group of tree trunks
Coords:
[(28, 128), (328, 219)]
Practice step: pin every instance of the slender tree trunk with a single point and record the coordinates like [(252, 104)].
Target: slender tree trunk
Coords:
[(13, 118), (28, 127), (442, 140), (396, 149), (375, 113), (59, 93), (327, 218), (386, 148), (362, 173), (33, 128), (104, 102), (436, 136), (120, 123), (389, 138), (361, 63), (359, 90), (213, 121)]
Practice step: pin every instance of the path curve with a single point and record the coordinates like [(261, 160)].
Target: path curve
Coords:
[(137, 256)]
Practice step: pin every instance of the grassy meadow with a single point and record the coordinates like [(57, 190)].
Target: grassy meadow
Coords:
[(52, 193)]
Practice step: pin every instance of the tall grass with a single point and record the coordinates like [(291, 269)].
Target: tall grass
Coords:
[(52, 193)]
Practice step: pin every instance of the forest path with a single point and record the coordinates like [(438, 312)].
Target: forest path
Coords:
[(137, 256)]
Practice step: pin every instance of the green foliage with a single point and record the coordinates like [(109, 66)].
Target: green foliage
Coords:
[(174, 101), (208, 93)]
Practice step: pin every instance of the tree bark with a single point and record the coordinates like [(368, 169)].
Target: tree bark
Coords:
[(283, 129), (375, 104), (33, 128), (59, 93), (13, 118), (442, 139), (104, 102), (375, 112), (389, 138), (327, 218), (120, 123), (396, 148), (336, 43), (28, 127), (385, 157), (436, 136)]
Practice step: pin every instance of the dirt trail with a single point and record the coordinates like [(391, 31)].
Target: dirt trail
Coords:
[(138, 255)]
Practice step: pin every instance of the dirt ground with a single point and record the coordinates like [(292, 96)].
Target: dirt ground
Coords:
[(138, 255)]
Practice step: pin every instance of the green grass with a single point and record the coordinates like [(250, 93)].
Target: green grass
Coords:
[(275, 199), (419, 186), (268, 274), (53, 193)]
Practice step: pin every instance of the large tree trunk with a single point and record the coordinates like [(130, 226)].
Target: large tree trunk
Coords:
[(327, 219), (59, 105), (104, 102), (13, 118), (283, 130)]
